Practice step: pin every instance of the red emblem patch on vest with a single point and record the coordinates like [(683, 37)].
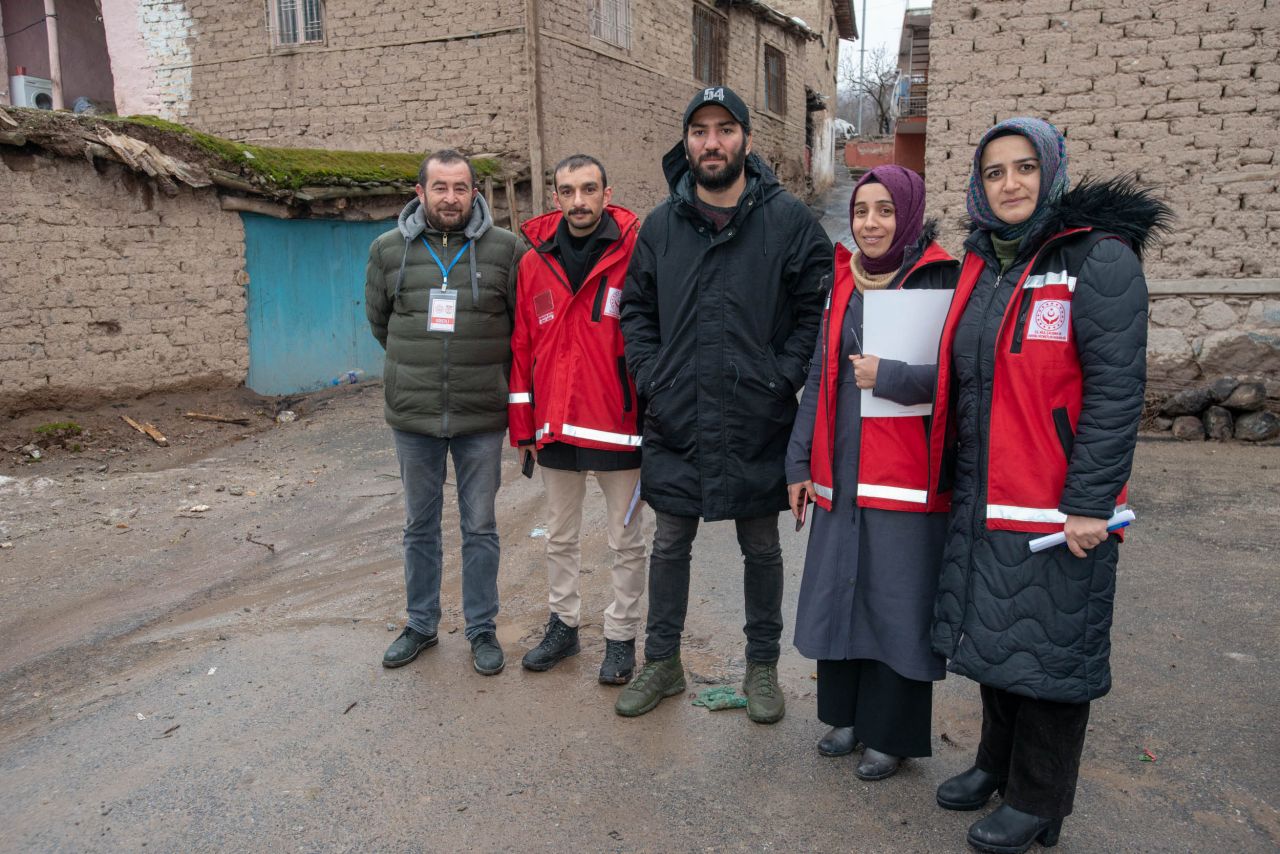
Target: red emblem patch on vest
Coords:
[(1050, 320)]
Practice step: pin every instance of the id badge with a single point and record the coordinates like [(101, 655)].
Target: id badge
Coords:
[(443, 310)]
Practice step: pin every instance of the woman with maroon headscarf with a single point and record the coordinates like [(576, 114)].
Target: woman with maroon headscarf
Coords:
[(870, 574)]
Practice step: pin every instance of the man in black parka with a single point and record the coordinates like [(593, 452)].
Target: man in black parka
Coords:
[(720, 311)]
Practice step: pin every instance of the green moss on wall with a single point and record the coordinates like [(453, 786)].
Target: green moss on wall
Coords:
[(291, 168)]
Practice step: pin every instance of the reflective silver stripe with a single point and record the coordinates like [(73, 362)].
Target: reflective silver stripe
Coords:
[(520, 397), (1048, 515), (602, 436), (893, 493), (824, 491), (544, 429), (1033, 514)]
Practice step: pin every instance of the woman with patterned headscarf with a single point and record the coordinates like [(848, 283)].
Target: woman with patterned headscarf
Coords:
[(1041, 376), (871, 569)]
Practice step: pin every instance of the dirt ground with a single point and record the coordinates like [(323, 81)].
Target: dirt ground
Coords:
[(179, 679)]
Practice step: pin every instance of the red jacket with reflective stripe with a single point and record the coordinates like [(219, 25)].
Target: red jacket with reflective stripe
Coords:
[(1036, 389), (569, 380), (895, 468)]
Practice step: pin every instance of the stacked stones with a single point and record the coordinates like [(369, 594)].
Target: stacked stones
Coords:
[(1222, 409)]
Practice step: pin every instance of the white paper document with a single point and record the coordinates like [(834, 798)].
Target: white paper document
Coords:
[(906, 326)]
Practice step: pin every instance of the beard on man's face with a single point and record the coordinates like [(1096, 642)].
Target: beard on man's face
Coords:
[(730, 167), (444, 217)]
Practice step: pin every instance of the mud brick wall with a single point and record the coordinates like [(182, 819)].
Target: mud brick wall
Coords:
[(107, 286), (1194, 337), (1186, 93), (382, 81), (625, 105)]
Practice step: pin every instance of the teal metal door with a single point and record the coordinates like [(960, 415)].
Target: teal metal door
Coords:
[(306, 302)]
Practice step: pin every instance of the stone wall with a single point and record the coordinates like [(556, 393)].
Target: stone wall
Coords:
[(1198, 337), (625, 105), (1186, 93), (108, 287)]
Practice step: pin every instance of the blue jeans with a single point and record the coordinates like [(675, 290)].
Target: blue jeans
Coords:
[(477, 460)]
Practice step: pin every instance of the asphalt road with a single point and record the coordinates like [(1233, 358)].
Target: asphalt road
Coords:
[(179, 680)]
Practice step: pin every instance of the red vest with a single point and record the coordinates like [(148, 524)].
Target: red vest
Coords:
[(1037, 391), (569, 380), (896, 470)]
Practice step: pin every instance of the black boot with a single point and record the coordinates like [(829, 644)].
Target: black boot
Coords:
[(619, 662), (968, 791), (876, 765), (839, 741), (559, 642), (1010, 831)]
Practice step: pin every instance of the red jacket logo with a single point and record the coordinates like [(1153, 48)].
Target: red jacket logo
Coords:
[(1050, 320)]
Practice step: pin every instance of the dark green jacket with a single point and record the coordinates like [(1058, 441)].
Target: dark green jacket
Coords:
[(441, 383)]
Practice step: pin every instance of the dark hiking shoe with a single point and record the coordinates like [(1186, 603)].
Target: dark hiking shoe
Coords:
[(486, 654), (765, 704), (619, 662), (839, 741), (406, 647), (559, 642), (657, 679)]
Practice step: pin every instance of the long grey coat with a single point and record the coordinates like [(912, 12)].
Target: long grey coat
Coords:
[(870, 576)]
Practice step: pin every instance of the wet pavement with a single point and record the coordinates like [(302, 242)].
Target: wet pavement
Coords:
[(211, 680)]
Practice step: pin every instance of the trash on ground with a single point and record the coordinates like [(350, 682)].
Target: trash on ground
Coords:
[(721, 697), (147, 430), (286, 417), (354, 703), (1147, 756), (198, 508), (221, 419), (212, 670), (538, 532), (141, 716)]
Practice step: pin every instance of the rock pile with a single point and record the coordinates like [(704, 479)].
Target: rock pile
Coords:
[(1221, 410)]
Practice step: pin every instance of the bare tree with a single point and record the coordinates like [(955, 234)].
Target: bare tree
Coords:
[(868, 96)]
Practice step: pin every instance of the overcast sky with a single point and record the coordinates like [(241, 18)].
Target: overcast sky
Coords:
[(883, 26)]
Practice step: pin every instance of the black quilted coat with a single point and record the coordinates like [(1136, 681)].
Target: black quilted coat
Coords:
[(1039, 625)]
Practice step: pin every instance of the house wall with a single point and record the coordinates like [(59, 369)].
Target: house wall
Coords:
[(394, 76), (1186, 94), (626, 106), (109, 287)]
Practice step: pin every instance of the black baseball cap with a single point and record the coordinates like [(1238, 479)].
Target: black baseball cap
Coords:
[(721, 96)]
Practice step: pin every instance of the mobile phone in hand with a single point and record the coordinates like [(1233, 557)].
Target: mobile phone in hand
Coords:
[(803, 512), (527, 468)]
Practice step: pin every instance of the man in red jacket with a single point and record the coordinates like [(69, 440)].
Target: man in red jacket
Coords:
[(572, 405)]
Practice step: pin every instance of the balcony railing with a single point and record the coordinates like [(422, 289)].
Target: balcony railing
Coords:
[(915, 102)]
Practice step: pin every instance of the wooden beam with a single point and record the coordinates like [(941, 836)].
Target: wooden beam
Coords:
[(258, 206)]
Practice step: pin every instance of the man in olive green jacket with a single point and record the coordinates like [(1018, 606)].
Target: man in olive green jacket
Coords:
[(440, 294)]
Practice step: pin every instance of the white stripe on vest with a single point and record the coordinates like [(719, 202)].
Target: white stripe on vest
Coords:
[(824, 491), (520, 397), (893, 493), (601, 436), (1046, 515)]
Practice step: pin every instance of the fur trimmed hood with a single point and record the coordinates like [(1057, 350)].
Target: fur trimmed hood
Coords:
[(1116, 205)]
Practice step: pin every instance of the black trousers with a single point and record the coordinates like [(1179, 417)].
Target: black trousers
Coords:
[(1035, 746), (669, 585), (888, 712)]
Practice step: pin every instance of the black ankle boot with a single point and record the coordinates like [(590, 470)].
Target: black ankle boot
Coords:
[(1010, 831), (839, 741), (968, 791), (559, 642)]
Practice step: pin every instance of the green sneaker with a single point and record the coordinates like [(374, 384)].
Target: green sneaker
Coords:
[(765, 704), (657, 679)]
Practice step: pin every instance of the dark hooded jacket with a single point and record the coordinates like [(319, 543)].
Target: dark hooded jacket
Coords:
[(444, 383), (1039, 625), (719, 328)]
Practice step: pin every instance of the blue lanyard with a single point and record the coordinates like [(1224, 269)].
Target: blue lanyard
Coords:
[(444, 271)]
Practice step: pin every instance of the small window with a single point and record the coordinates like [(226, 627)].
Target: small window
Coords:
[(611, 22), (775, 81), (297, 21), (710, 45)]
